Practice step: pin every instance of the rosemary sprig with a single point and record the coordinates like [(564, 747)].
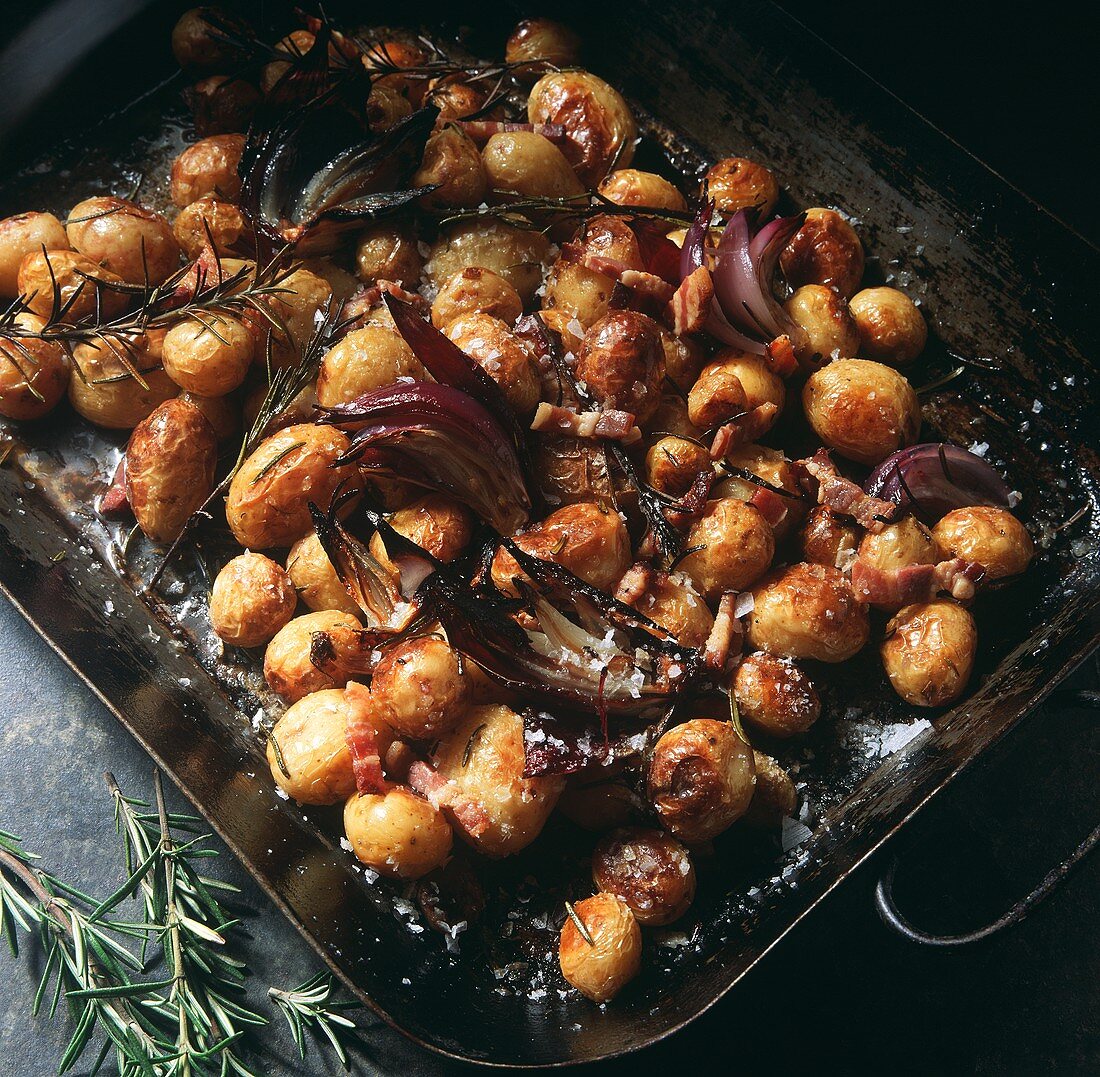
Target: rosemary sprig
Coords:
[(579, 924), (532, 214), (310, 1006)]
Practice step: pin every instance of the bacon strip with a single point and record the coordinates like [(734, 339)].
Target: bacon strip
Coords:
[(771, 506), (725, 637), (782, 357), (361, 735), (443, 793), (613, 425), (115, 498), (915, 583), (689, 307), (360, 303), (648, 285), (753, 424), (819, 478)]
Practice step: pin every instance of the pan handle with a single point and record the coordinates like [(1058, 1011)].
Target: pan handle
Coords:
[(893, 918)]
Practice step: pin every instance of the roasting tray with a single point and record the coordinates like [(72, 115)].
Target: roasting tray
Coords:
[(1004, 285)]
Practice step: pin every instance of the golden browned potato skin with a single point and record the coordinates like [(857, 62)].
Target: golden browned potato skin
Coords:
[(269, 497), (528, 165), (397, 834), (208, 166), (386, 107), (367, 358), (129, 240), (385, 252), (296, 43), (419, 689), (673, 603), (25, 234), (647, 869), (863, 410), (576, 293), (399, 54), (622, 363), (908, 542), (825, 250), (45, 372), (287, 666), (701, 779), (570, 470), (195, 44), (304, 293), (312, 745), (455, 99), (514, 254), (602, 968), (501, 354), (775, 696), (535, 40), (632, 187), (597, 120), (222, 104), (808, 611), (476, 290), (824, 316), (716, 397), (673, 463), (453, 164), (760, 383), (992, 537), (683, 359), (826, 539), (211, 359), (775, 798), (590, 541), (223, 413), (737, 183), (737, 546), (170, 462), (106, 396), (74, 275), (891, 328), (223, 220), (928, 652), (314, 579), (252, 599), (492, 775), (435, 522)]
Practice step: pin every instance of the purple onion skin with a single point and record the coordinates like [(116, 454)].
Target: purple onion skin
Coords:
[(933, 478)]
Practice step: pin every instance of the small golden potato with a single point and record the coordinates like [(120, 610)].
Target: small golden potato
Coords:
[(863, 410), (366, 359), (474, 290), (736, 546), (83, 288), (303, 294), (209, 214), (535, 40), (397, 833), (170, 462), (513, 253), (578, 294), (385, 252), (34, 375), (502, 355), (109, 396), (808, 611), (759, 381), (890, 327), (456, 99), (590, 541), (992, 537), (27, 233), (133, 242), (528, 165), (453, 164), (825, 250), (598, 121), (386, 107), (908, 542), (288, 670), (252, 599), (683, 359), (602, 967), (211, 359), (397, 54), (767, 464), (774, 696), (775, 798), (736, 183), (308, 750), (701, 779), (435, 522), (673, 463), (827, 538), (197, 43), (419, 689), (570, 470), (829, 327), (484, 756), (208, 166), (716, 397), (622, 363), (632, 187), (928, 652), (314, 579), (647, 869), (222, 104), (670, 601), (269, 497)]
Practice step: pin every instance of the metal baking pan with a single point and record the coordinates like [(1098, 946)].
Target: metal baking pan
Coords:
[(1003, 284)]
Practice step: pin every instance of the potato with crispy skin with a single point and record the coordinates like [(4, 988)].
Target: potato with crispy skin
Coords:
[(603, 963), (125, 238), (732, 546), (419, 687), (825, 250), (775, 696), (622, 363), (396, 833), (23, 234), (992, 537), (252, 599), (736, 183), (928, 652), (288, 668), (647, 869)]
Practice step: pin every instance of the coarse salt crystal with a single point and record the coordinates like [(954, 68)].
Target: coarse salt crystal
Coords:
[(744, 605)]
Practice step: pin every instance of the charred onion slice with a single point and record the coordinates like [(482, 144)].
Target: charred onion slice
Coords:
[(553, 746)]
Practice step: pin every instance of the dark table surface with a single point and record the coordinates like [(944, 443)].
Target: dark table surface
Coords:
[(841, 994)]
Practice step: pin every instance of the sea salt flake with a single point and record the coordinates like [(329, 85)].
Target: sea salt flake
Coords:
[(794, 834), (896, 737)]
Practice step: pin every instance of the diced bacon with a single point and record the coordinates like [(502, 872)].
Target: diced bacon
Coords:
[(483, 130), (753, 424), (821, 481), (361, 302), (894, 588), (635, 582), (780, 352), (609, 267), (445, 794), (612, 425), (689, 307), (648, 285), (361, 735), (770, 505), (725, 637), (115, 498)]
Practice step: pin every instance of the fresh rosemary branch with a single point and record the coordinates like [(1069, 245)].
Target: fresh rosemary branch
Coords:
[(532, 214), (310, 1006)]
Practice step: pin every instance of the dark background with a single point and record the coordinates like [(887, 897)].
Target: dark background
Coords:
[(840, 994)]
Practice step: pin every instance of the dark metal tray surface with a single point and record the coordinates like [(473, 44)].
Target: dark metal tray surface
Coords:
[(998, 279)]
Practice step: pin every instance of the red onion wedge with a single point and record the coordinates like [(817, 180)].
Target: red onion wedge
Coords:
[(933, 478)]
